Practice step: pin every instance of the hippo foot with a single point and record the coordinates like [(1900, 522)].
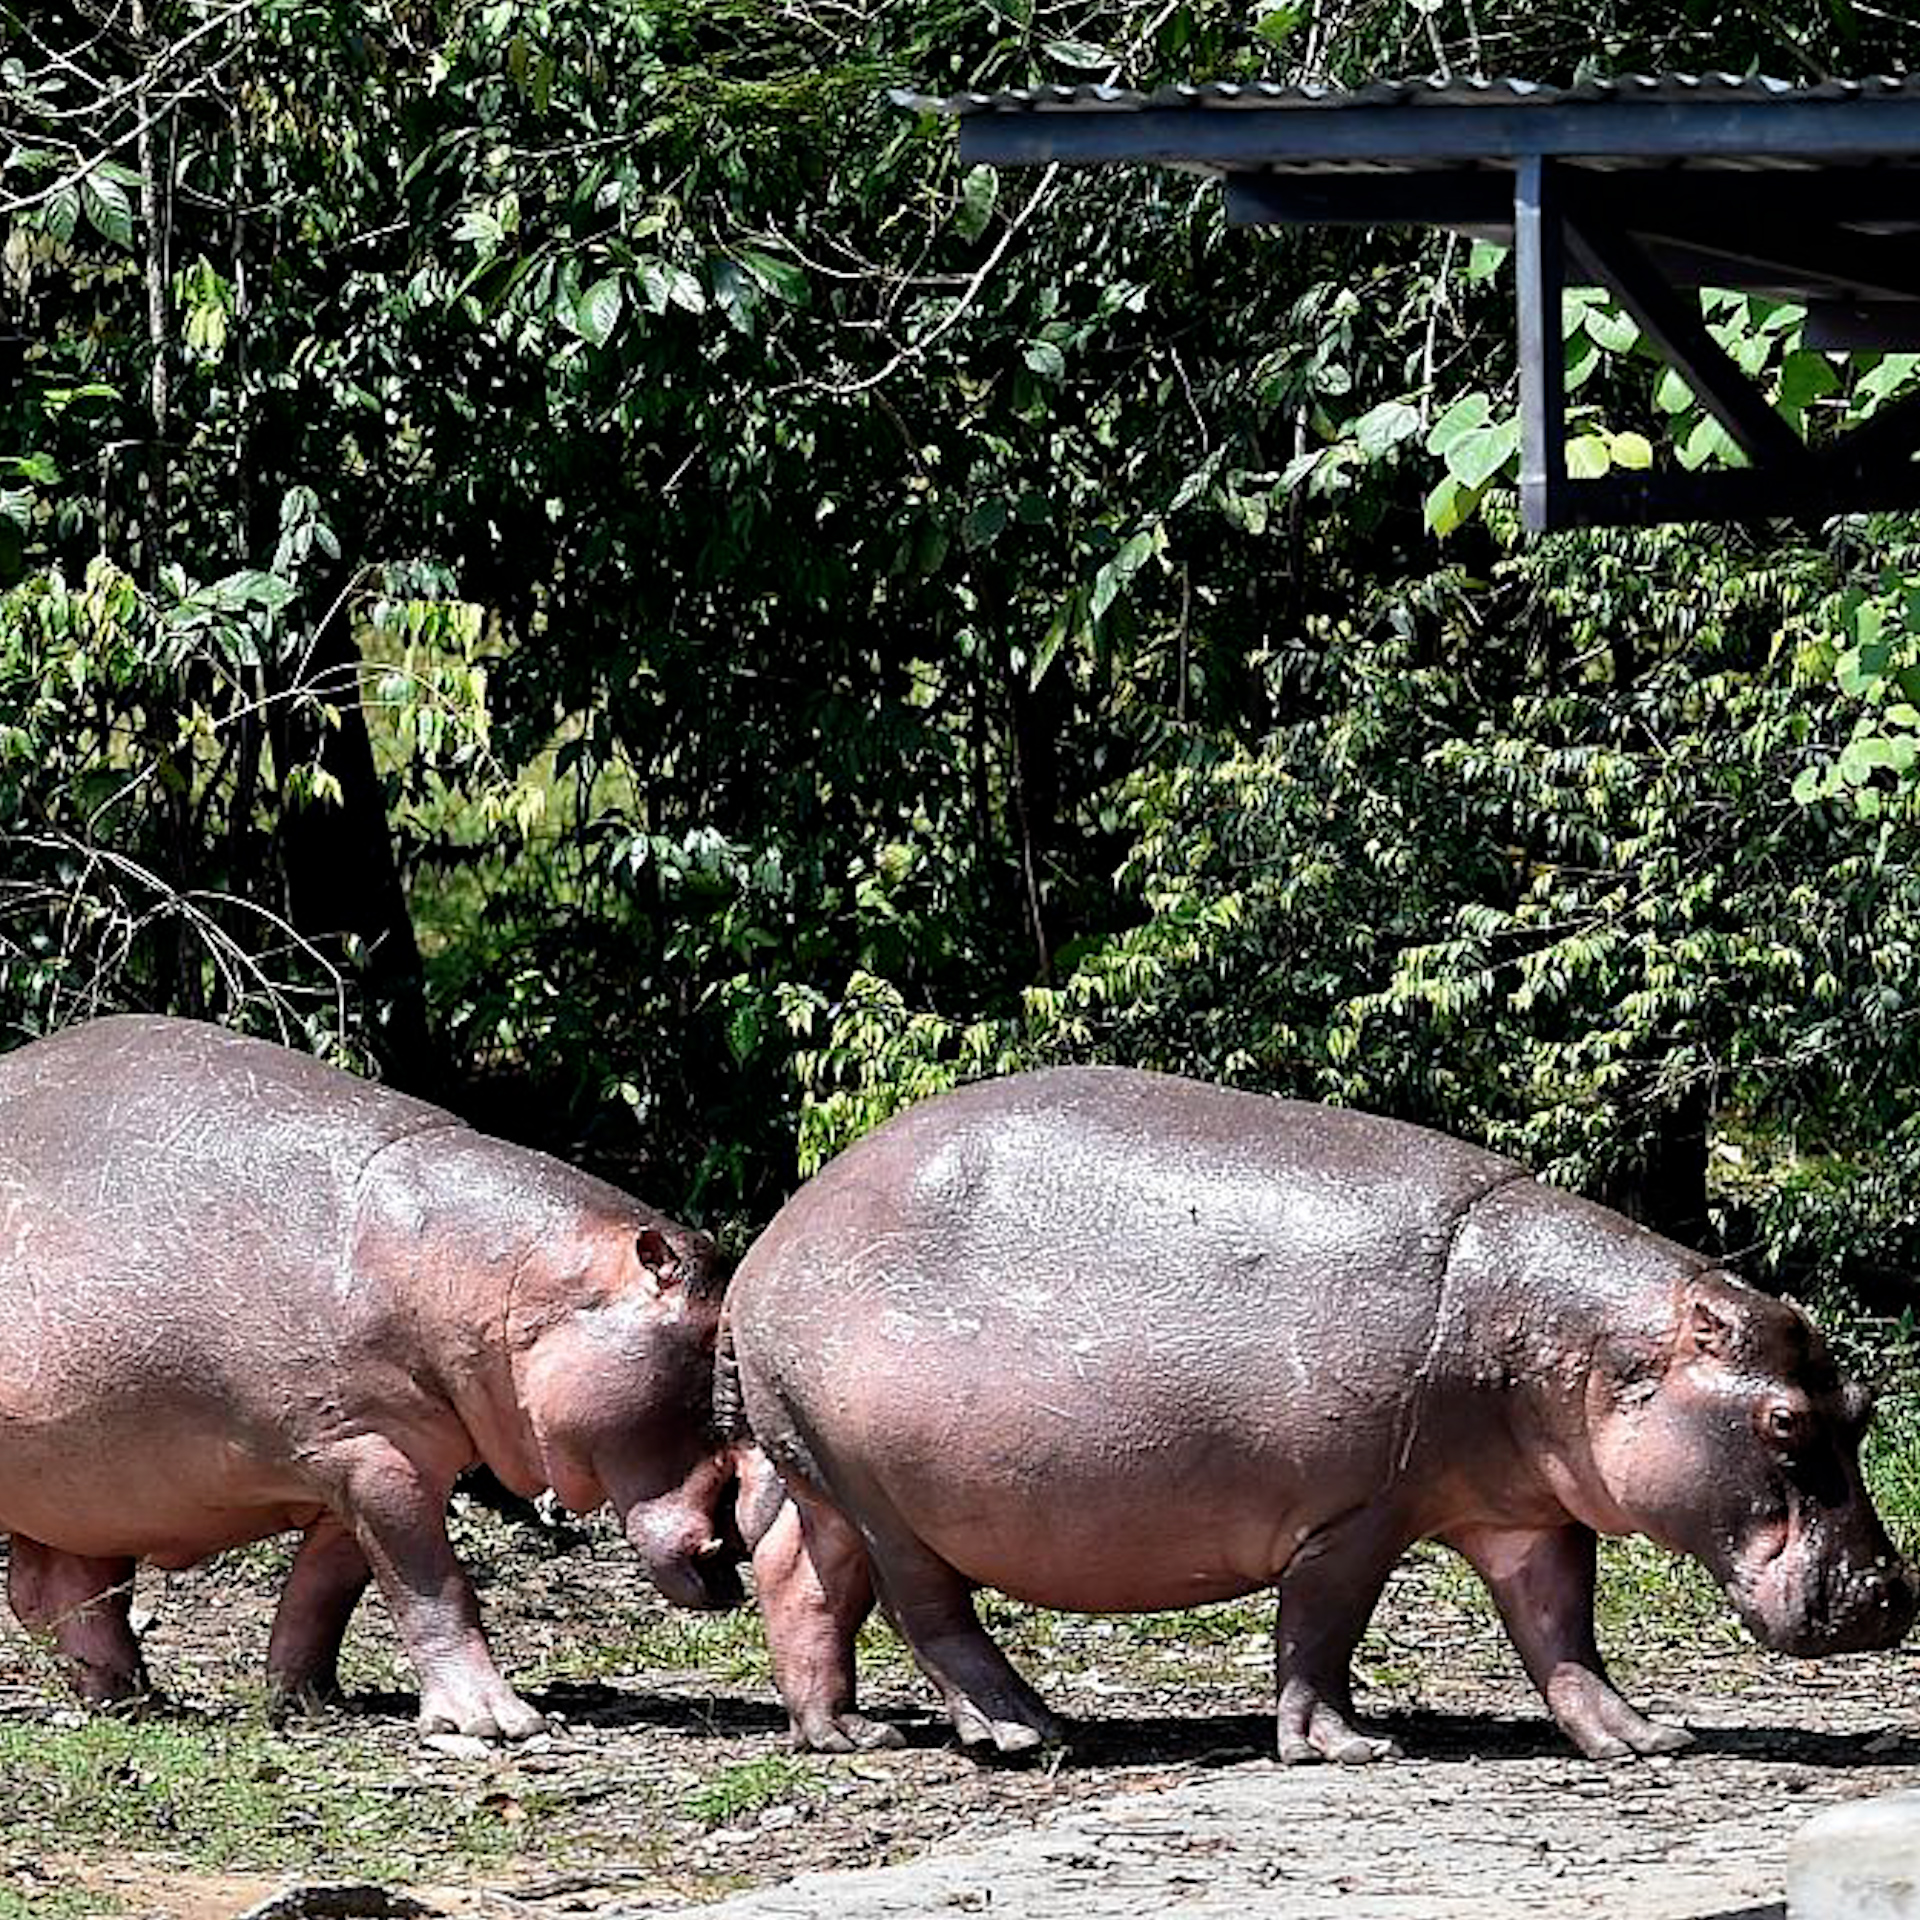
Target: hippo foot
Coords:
[(289, 1700), (136, 1705), (1322, 1732), (1602, 1724), (502, 1715), (1348, 1749), (844, 1733), (1649, 1739), (978, 1729)]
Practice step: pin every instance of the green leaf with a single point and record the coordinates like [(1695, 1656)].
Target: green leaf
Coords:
[(1470, 411), (1119, 570), (1277, 24), (1709, 441), (250, 587), (1045, 359), (1383, 427), (1632, 450), (62, 214), (480, 227), (984, 523), (1804, 377), (1583, 360), (685, 291), (597, 312), (979, 194), (1611, 330), (107, 209), (1671, 394), (1474, 458), (1486, 259), (1078, 53), (1588, 457), (781, 278), (16, 506), (1449, 505)]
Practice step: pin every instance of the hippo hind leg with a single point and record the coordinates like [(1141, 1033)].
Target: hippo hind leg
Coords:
[(1542, 1580), (931, 1606), (83, 1606), (328, 1576)]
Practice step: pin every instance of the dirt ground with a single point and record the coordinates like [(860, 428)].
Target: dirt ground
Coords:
[(666, 1783)]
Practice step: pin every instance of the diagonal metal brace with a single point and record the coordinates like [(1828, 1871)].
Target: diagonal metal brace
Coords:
[(1673, 326)]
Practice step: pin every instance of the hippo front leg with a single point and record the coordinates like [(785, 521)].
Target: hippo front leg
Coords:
[(1327, 1596), (1542, 1580), (399, 1514)]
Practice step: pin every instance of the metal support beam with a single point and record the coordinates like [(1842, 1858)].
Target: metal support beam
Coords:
[(1621, 499), (1456, 197), (1539, 258), (1229, 137)]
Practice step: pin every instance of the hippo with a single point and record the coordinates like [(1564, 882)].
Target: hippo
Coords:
[(243, 1293), (1109, 1341)]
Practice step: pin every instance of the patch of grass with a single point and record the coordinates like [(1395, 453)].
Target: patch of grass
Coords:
[(1644, 1589), (232, 1796), (727, 1647), (735, 1791), (57, 1903), (1891, 1457)]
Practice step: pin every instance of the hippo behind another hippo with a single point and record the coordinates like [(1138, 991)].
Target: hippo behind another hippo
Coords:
[(242, 1292), (1111, 1341)]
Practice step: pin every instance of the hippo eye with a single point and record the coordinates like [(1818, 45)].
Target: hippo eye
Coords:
[(1784, 1426)]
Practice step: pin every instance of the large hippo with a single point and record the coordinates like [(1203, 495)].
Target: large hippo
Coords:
[(242, 1292), (1109, 1341)]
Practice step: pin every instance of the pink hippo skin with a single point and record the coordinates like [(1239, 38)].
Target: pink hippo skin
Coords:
[(242, 1292), (1110, 1341)]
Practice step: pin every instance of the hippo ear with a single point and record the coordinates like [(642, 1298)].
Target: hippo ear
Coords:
[(1708, 1329), (658, 1260)]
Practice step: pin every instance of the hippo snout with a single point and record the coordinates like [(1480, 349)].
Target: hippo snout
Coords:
[(691, 1550), (1866, 1611)]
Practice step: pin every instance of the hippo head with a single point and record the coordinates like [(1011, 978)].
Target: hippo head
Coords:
[(616, 1386), (1740, 1445)]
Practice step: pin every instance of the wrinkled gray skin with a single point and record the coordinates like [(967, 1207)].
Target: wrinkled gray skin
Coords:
[(1111, 1341), (242, 1292)]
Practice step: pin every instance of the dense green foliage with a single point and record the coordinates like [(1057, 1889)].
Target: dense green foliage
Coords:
[(571, 554)]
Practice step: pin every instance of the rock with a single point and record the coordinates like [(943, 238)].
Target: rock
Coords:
[(1858, 1862), (353, 1900)]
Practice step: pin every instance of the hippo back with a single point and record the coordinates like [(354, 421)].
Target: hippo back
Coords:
[(1056, 1273)]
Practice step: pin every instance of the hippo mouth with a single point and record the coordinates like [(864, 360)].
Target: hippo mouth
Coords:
[(1803, 1599), (693, 1560), (707, 1580)]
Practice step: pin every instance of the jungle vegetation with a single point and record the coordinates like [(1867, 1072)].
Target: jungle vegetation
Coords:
[(571, 556)]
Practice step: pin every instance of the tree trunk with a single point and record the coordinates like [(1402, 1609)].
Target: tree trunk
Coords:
[(343, 888)]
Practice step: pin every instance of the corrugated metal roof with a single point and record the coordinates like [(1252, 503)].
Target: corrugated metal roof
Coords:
[(1231, 95)]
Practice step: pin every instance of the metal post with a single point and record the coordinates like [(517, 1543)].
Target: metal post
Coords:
[(1539, 258)]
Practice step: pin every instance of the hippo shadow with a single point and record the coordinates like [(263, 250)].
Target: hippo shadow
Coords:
[(592, 1703), (1202, 1741), (1233, 1739)]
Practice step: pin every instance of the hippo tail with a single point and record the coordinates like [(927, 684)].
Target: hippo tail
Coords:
[(729, 1403)]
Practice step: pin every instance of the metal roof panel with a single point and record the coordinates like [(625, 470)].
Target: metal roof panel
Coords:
[(1456, 91)]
